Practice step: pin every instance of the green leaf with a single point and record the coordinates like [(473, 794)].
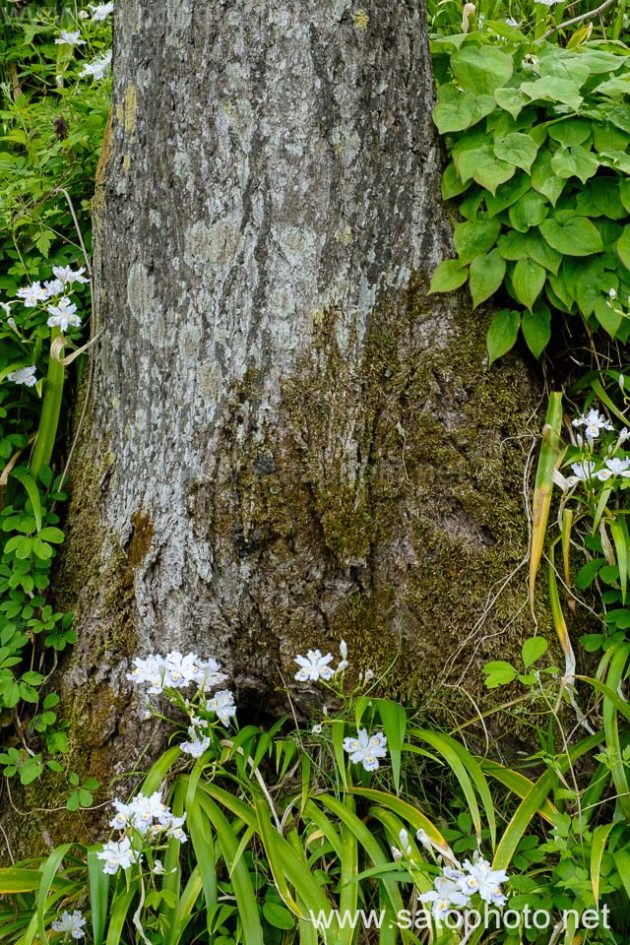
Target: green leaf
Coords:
[(507, 194), (608, 138), (543, 254), (536, 328), (32, 491), (608, 318), (588, 572), (486, 275), (623, 246), (619, 532), (467, 158), (543, 178), (600, 837), (574, 162), (452, 185), (605, 195), (394, 719), (533, 649), (518, 149), (624, 193), (502, 333), (481, 70), (577, 237), (511, 100), (570, 131), (475, 237), (449, 275), (43, 242), (529, 211), (552, 89), (461, 114), (15, 880), (528, 278), (499, 673), (490, 174), (513, 245), (41, 549), (54, 535), (277, 915)]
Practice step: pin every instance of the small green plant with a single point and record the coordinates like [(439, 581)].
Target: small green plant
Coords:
[(537, 137), (240, 834), (55, 96)]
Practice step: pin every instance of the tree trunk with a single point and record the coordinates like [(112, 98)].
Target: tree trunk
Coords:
[(287, 442)]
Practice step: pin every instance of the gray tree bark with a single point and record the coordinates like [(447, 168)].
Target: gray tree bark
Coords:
[(287, 442)]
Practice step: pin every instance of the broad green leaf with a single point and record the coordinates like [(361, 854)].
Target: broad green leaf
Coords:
[(543, 254), (598, 61), (491, 174), (507, 194), (475, 237), (54, 535), (481, 70), (452, 186), (607, 316), (513, 245), (486, 275), (449, 275), (619, 160), (536, 328), (608, 138), (574, 162), (466, 111), (556, 63), (533, 649), (529, 211), (499, 673), (502, 333), (619, 117), (623, 246), (624, 193), (277, 915), (511, 100), (528, 278), (552, 89), (543, 178), (605, 194), (518, 149), (468, 159), (577, 237), (570, 131)]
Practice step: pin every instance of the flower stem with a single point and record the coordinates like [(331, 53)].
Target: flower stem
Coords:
[(51, 407)]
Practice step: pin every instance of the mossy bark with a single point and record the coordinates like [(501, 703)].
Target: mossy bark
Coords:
[(288, 442)]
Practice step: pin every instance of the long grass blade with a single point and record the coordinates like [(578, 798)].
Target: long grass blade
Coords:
[(550, 457)]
